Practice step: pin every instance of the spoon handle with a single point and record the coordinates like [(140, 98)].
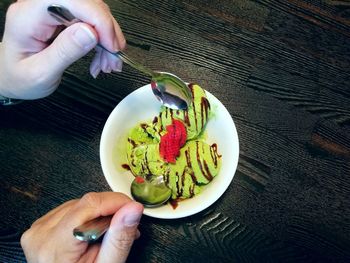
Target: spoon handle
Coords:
[(64, 16), (93, 229), (131, 62)]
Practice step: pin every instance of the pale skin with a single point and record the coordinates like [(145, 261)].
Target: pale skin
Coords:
[(50, 238), (31, 66), (32, 60)]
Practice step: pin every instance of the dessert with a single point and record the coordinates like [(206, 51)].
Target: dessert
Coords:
[(173, 145)]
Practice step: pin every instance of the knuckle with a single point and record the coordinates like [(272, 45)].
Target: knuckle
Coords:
[(123, 242), (122, 43), (12, 10), (25, 239), (103, 5), (91, 199)]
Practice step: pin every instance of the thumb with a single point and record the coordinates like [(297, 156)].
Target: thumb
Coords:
[(71, 44), (121, 234)]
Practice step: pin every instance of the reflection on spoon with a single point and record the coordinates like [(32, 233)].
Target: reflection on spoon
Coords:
[(151, 192), (93, 229)]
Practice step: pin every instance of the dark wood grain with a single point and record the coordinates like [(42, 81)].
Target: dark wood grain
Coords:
[(281, 68)]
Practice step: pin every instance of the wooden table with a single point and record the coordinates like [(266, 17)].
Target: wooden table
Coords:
[(282, 69)]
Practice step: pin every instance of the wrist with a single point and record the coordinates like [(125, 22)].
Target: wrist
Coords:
[(5, 101)]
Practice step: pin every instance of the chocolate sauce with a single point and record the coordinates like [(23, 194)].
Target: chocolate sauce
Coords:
[(194, 178), (194, 109), (146, 160), (132, 142), (132, 160), (155, 120), (188, 158), (205, 106), (144, 126), (186, 118), (166, 177), (192, 190), (174, 203), (126, 167), (191, 88), (178, 193), (182, 182), (209, 176), (214, 153)]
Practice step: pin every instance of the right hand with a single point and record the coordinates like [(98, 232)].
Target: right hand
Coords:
[(50, 238)]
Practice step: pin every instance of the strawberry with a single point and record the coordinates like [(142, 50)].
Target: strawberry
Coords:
[(139, 180), (172, 141)]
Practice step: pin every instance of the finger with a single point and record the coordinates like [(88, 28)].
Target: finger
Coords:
[(97, 14), (121, 234), (138, 234), (73, 43), (95, 67), (91, 253), (115, 63), (119, 34), (104, 62), (90, 206)]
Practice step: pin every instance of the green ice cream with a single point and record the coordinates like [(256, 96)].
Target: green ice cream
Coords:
[(195, 117), (197, 165), (198, 162)]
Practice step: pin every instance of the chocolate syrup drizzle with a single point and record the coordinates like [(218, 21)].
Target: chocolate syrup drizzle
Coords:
[(205, 171)]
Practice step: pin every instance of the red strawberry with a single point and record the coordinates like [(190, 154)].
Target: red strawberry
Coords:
[(139, 180), (172, 141)]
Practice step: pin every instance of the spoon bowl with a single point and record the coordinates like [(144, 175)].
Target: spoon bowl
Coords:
[(150, 191), (169, 89)]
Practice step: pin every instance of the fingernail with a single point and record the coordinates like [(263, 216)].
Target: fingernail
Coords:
[(132, 219), (118, 66), (94, 73), (84, 37)]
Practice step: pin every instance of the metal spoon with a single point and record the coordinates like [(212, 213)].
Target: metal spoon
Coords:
[(149, 191), (169, 89), (93, 229)]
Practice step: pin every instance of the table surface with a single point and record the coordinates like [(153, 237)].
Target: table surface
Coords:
[(281, 68)]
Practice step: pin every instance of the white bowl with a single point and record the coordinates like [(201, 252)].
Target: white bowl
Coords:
[(140, 106)]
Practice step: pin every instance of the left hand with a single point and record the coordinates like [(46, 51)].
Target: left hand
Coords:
[(31, 66)]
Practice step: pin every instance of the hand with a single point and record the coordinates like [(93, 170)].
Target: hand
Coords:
[(50, 238), (31, 68)]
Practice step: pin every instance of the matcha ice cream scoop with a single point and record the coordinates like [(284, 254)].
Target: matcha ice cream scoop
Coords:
[(197, 165), (192, 164), (195, 117)]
